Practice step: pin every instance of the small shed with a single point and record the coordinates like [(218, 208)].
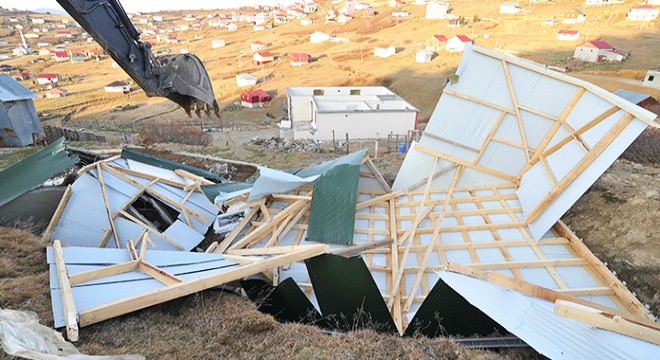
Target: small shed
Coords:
[(510, 8), (457, 43), (263, 57), (246, 80), (384, 51), (19, 123), (436, 43), (232, 27), (257, 45), (424, 56), (217, 43), (118, 87), (254, 98), (318, 37), (568, 35), (298, 59), (56, 93), (652, 79)]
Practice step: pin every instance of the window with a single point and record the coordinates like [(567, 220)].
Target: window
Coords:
[(318, 92), (355, 92), (651, 77)]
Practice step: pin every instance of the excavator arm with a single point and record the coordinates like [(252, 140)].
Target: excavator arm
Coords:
[(180, 78)]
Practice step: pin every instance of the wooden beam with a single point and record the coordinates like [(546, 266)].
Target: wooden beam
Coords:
[(451, 142), (357, 249), (103, 272), (378, 175), (229, 239), (579, 168), (379, 199), (158, 274), (193, 177), (489, 137), (169, 292), (147, 227), (477, 100), (57, 215), (108, 211), (68, 304), (642, 330), (512, 92), (465, 163)]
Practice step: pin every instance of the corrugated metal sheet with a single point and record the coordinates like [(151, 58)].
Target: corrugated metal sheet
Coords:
[(533, 321), (445, 312), (167, 164), (34, 170), (348, 304), (186, 266), (332, 213), (11, 90)]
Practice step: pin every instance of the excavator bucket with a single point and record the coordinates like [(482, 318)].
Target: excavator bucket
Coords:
[(185, 81)]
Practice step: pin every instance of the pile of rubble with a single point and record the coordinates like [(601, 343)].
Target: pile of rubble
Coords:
[(288, 145)]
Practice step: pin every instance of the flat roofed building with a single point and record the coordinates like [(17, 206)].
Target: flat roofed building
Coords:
[(362, 112)]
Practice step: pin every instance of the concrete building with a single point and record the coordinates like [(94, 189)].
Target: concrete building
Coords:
[(568, 35), (574, 17), (254, 98), (246, 80), (384, 51), (19, 123), (48, 79), (424, 56), (56, 93), (597, 51), (217, 44), (642, 13), (297, 59), (319, 37), (263, 57), (436, 43), (257, 45), (118, 87), (652, 79), (457, 43), (364, 112)]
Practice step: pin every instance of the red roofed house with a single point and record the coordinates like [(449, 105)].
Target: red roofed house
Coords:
[(568, 35), (63, 34), (21, 76), (384, 51), (48, 79), (297, 59), (597, 51), (254, 98), (60, 56), (642, 13), (457, 43), (257, 45), (56, 93), (436, 43), (263, 57)]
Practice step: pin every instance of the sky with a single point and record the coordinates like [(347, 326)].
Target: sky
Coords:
[(150, 5)]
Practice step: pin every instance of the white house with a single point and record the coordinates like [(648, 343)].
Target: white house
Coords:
[(424, 56), (245, 80), (259, 28), (157, 18), (257, 45), (306, 22), (217, 43), (31, 36), (20, 51), (362, 112), (568, 35), (384, 51), (652, 79), (118, 87), (38, 20), (318, 37), (597, 51), (510, 8), (457, 43), (574, 17), (400, 13), (343, 18), (437, 10), (642, 13), (232, 27), (651, 2)]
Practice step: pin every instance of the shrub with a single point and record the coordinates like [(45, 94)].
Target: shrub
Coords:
[(173, 133)]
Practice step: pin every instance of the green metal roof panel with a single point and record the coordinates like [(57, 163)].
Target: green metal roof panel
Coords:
[(332, 213), (445, 312), (286, 301), (34, 170), (167, 164), (212, 190), (347, 293)]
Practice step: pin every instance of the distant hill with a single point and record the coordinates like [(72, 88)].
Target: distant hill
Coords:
[(54, 11)]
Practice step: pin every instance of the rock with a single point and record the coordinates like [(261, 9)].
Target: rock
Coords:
[(637, 166), (637, 201), (651, 194)]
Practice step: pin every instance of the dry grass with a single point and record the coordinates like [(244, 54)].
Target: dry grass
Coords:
[(210, 325), (174, 133)]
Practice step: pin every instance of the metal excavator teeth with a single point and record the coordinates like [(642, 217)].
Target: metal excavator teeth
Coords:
[(185, 81)]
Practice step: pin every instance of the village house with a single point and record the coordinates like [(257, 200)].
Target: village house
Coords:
[(306, 22), (217, 43), (259, 28), (19, 123), (652, 79), (362, 112), (343, 18), (169, 39), (310, 8), (568, 35), (437, 10), (48, 79), (602, 2), (318, 37), (457, 43), (263, 57), (64, 34), (280, 18), (651, 2), (21, 76), (424, 56), (60, 56), (642, 13), (574, 17), (157, 18), (254, 98), (37, 20), (118, 87), (243, 80), (56, 93), (31, 36), (297, 59), (20, 51), (258, 45), (510, 8), (400, 13), (43, 44), (384, 51), (436, 43), (44, 51), (232, 27), (597, 51)]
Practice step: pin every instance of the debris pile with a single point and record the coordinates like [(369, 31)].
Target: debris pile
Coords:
[(300, 145), (467, 242)]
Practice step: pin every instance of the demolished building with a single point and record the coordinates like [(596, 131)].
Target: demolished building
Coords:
[(467, 242)]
